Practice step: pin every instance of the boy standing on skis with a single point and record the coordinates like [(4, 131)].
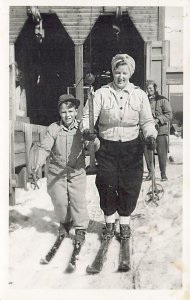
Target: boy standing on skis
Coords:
[(66, 180)]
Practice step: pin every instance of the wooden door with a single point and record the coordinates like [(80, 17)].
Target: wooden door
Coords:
[(157, 60)]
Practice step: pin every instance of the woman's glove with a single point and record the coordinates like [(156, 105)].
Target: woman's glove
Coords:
[(151, 143), (96, 144), (88, 136), (157, 122)]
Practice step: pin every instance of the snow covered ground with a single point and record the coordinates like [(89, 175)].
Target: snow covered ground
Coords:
[(156, 242)]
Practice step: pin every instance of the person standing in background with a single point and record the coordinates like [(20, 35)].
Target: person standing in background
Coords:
[(162, 114), (20, 93)]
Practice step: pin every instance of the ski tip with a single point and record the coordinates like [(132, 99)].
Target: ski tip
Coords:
[(43, 261), (70, 268), (92, 271)]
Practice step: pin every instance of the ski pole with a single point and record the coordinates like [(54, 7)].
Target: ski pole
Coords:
[(154, 188), (89, 80), (155, 191)]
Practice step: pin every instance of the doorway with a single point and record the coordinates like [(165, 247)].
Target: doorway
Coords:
[(108, 37), (48, 67)]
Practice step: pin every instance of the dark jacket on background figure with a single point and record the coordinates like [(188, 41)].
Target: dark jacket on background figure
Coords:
[(161, 110)]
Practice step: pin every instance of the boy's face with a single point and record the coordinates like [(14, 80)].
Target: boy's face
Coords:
[(67, 114)]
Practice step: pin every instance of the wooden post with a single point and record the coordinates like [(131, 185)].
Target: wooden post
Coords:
[(11, 164), (79, 78), (156, 63), (28, 142), (12, 91), (148, 60), (92, 168), (42, 132), (22, 179), (161, 23), (167, 50), (12, 118), (164, 67)]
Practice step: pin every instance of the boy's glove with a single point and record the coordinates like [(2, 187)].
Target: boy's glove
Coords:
[(151, 143), (34, 168), (88, 136), (34, 178)]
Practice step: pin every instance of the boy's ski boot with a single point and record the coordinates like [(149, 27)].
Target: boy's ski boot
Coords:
[(63, 231), (78, 242), (64, 228)]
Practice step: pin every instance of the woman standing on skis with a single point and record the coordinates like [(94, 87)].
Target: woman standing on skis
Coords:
[(122, 109)]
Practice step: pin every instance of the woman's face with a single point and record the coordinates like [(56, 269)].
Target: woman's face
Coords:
[(150, 89), (121, 76)]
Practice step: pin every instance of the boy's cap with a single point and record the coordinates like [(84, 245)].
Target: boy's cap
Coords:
[(70, 98)]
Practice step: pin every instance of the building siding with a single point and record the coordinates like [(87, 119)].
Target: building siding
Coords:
[(78, 21)]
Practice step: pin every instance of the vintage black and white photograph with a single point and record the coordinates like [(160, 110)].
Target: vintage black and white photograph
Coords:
[(96, 147)]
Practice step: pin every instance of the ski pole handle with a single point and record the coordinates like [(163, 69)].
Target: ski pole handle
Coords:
[(89, 79)]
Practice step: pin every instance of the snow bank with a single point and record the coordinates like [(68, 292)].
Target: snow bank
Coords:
[(156, 242)]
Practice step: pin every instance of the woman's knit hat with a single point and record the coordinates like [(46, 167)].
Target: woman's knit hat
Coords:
[(123, 58)]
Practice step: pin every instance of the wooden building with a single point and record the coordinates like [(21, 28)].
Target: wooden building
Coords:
[(78, 40), (68, 43)]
